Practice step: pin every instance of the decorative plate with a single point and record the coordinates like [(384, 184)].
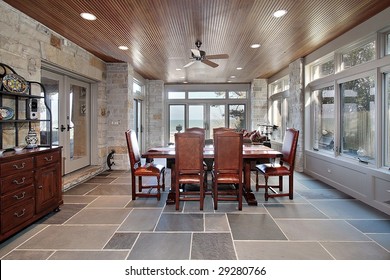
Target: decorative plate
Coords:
[(6, 113), (15, 83)]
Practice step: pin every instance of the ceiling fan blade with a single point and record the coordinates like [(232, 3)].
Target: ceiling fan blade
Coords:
[(189, 64), (195, 53), (210, 63), (218, 56)]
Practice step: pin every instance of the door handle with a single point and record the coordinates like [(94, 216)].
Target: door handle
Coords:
[(62, 127), (69, 127)]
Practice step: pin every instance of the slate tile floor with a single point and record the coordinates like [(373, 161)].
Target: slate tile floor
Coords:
[(100, 221)]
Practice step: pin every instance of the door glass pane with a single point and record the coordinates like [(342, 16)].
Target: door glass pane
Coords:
[(387, 121), (276, 113), (52, 91), (324, 121), (196, 116), (78, 122), (237, 117), (217, 117), (358, 118), (176, 120)]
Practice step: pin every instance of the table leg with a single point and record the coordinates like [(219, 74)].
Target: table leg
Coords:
[(247, 191), (171, 195)]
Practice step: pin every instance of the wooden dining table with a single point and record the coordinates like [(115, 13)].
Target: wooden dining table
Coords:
[(251, 154)]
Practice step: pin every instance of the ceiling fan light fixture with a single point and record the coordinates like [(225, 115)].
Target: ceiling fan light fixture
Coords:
[(279, 13), (123, 48), (255, 46), (88, 16)]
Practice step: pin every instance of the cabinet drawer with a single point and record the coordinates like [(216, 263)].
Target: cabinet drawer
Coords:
[(16, 166), (17, 197), (16, 182), (17, 215), (48, 158)]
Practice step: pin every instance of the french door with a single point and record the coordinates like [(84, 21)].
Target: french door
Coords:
[(207, 116), (138, 121), (69, 101)]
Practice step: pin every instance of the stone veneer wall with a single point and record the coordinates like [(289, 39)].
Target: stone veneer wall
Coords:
[(259, 103), (154, 113), (119, 111), (296, 107), (25, 43)]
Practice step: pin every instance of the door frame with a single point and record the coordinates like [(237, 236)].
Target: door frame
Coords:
[(93, 142)]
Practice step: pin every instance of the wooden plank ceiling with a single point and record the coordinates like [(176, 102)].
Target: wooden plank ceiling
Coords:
[(161, 33)]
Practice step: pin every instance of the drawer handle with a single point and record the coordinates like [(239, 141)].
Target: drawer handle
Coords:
[(40, 187), (19, 166), (20, 197), (21, 214), (19, 183), (49, 159)]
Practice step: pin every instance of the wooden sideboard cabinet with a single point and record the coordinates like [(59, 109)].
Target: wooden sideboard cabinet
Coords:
[(31, 187)]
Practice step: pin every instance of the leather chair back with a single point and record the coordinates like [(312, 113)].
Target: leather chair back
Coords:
[(289, 147)]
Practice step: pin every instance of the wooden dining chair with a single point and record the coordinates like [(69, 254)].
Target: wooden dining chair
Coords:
[(222, 129), (189, 167), (285, 168), (150, 169), (228, 165), (207, 162)]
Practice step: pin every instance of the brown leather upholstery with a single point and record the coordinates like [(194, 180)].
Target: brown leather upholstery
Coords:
[(228, 165), (138, 170), (289, 149), (222, 129), (206, 162), (189, 166)]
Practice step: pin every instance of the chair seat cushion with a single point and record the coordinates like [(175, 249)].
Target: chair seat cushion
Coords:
[(189, 179), (149, 169), (227, 178), (270, 170)]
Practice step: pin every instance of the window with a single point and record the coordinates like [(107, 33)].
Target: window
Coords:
[(137, 88), (279, 91), (237, 118), (324, 119), (358, 118), (387, 120), (206, 95), (358, 55), (207, 106), (322, 69), (237, 94), (387, 44), (176, 120), (176, 95), (279, 85)]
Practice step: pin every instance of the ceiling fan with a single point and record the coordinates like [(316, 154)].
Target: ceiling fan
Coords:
[(199, 55)]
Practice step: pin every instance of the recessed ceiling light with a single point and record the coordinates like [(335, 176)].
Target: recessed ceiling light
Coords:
[(255, 46), (280, 13), (239, 68), (178, 69), (123, 48), (88, 16), (232, 77)]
